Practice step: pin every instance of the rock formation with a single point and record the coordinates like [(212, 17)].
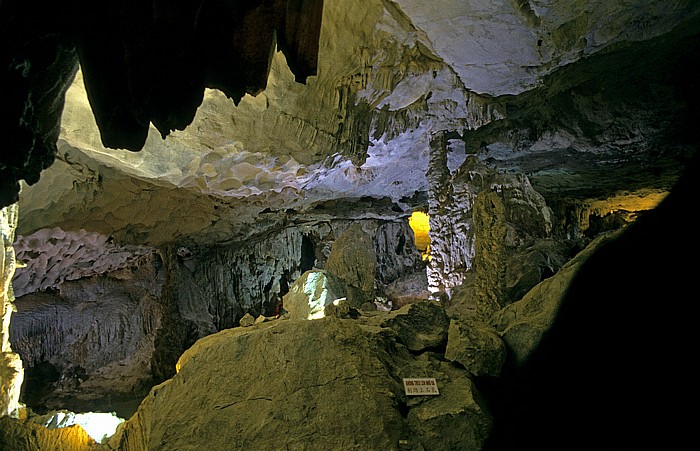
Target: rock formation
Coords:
[(311, 293), (11, 371), (26, 435), (326, 384), (354, 261), (179, 167)]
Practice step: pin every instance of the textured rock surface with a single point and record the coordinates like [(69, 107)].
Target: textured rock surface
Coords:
[(278, 390), (523, 323), (419, 326), (484, 220), (11, 370), (311, 293), (254, 276), (24, 435), (476, 346), (453, 420), (52, 256), (354, 261), (97, 333), (408, 289), (606, 326), (129, 80)]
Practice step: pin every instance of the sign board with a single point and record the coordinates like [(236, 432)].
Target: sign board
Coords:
[(420, 386)]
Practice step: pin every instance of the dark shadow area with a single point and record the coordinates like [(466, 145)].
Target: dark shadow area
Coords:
[(617, 368), (308, 255)]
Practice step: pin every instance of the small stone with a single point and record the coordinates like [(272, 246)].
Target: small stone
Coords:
[(368, 307), (247, 320), (340, 308)]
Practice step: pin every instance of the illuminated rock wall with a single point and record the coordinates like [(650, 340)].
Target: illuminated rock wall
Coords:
[(451, 227), (11, 372), (481, 223)]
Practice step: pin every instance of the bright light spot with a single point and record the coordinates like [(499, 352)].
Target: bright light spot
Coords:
[(317, 301), (420, 224), (317, 315), (99, 426), (338, 301)]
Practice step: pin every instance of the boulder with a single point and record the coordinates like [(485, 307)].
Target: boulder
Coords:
[(311, 293), (408, 289), (476, 346), (317, 384), (354, 261), (419, 326), (329, 384), (247, 320)]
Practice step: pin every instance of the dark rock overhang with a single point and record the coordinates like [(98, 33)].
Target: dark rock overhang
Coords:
[(143, 63)]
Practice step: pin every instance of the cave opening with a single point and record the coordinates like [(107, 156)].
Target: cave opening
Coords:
[(39, 381), (419, 221), (308, 255)]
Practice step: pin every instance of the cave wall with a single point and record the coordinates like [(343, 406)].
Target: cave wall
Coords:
[(119, 320), (491, 234), (92, 337), (252, 278), (11, 371)]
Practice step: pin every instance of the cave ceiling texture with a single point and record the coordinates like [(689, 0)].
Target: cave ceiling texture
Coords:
[(188, 125), (194, 128)]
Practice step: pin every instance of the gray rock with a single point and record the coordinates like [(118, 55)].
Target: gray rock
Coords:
[(408, 289)]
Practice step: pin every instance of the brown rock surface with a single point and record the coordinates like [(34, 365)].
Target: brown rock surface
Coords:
[(308, 385), (23, 435)]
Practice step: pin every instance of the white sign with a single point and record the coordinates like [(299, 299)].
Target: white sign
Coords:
[(420, 386)]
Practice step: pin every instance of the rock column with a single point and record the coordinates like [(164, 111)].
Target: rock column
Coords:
[(11, 371), (451, 228)]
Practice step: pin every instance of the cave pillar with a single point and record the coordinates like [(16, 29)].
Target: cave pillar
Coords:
[(451, 232), (11, 371)]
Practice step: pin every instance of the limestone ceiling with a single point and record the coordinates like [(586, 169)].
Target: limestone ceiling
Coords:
[(589, 98)]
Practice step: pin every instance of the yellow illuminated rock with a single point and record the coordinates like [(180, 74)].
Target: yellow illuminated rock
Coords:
[(419, 222)]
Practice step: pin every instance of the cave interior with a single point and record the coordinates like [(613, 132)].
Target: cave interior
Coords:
[(358, 224)]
